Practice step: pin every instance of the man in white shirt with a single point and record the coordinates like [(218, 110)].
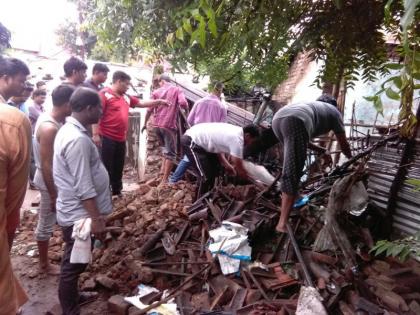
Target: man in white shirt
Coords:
[(208, 146)]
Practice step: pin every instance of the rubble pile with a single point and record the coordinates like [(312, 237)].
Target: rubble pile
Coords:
[(157, 237), (154, 157)]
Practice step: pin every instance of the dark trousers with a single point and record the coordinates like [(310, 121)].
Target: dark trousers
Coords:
[(207, 165), (68, 289), (113, 156)]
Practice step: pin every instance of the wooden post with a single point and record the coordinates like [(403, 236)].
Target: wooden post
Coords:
[(407, 155)]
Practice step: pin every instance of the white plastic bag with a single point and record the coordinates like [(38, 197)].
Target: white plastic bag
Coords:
[(230, 243), (82, 247)]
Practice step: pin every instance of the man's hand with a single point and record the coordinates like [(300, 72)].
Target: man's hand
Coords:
[(230, 169), (326, 159), (98, 227), (97, 140)]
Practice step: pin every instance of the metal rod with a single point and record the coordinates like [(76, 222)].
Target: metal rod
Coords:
[(299, 256)]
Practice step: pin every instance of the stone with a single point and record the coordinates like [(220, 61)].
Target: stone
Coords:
[(130, 228), (132, 208), (151, 197), (54, 256), (164, 207), (178, 195), (89, 285), (153, 182), (127, 220), (106, 282), (143, 189), (145, 274), (117, 305), (134, 311), (106, 257)]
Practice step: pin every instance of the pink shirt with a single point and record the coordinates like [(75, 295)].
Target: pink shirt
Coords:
[(208, 109), (166, 116)]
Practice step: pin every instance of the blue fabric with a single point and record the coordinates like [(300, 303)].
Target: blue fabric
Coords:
[(301, 202), (180, 170)]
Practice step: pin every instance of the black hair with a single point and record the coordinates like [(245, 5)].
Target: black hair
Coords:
[(39, 93), (12, 67), (120, 76), (83, 97), (164, 77), (73, 64), (252, 130), (28, 87), (265, 141), (218, 86), (61, 94), (326, 98), (40, 83), (100, 67)]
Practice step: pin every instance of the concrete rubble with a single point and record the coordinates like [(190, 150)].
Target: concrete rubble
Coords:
[(157, 237)]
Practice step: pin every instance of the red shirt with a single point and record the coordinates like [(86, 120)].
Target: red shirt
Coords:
[(114, 121), (165, 116)]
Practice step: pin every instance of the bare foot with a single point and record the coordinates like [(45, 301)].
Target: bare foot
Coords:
[(50, 269), (281, 228)]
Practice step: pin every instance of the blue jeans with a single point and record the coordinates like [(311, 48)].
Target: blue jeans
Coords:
[(180, 170)]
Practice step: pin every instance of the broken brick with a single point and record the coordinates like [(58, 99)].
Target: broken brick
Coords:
[(117, 305)]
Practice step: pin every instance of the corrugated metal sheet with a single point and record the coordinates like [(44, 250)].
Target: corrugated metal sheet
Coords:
[(383, 167), (236, 115)]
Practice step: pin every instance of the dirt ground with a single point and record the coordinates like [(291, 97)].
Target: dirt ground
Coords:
[(43, 290)]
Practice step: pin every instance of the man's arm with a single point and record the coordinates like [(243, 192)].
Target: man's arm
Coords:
[(46, 134), (98, 222), (146, 120), (95, 135), (191, 115), (344, 145), (77, 156), (182, 101), (16, 166), (239, 167), (151, 103), (225, 163)]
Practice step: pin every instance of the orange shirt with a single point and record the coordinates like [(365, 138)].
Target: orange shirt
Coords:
[(15, 149)]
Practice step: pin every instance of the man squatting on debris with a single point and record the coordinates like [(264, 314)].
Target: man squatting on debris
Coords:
[(294, 126), (207, 145)]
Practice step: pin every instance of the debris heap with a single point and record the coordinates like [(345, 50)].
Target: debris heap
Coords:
[(158, 237)]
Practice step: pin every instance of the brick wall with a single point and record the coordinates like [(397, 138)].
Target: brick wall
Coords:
[(286, 90)]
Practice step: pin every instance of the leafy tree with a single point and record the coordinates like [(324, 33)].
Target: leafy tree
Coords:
[(403, 85), (4, 38), (253, 39)]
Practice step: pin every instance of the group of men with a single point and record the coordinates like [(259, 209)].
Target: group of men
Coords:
[(79, 151)]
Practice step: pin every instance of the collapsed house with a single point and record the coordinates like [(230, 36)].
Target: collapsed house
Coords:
[(220, 254)]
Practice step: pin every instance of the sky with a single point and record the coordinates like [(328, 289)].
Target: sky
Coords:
[(32, 23)]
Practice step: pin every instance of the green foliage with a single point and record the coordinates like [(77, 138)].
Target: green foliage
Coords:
[(399, 248), (252, 40), (415, 183), (401, 87), (5, 38)]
